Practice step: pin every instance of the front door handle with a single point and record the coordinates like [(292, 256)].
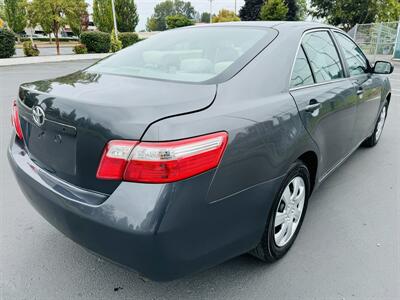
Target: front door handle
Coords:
[(312, 106)]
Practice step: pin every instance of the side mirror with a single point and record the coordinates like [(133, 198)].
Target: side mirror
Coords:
[(382, 67)]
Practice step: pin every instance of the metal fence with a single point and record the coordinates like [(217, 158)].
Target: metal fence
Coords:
[(378, 40)]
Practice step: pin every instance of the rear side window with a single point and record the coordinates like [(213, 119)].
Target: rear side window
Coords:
[(194, 54), (353, 55), (301, 74), (323, 56)]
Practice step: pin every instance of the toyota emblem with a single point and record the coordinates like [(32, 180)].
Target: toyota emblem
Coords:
[(38, 115)]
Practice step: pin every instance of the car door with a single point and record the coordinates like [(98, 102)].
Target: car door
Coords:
[(368, 86), (324, 96)]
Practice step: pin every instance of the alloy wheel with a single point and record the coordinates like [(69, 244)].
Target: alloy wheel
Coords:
[(289, 211)]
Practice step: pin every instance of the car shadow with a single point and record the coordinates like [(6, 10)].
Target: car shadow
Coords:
[(117, 279)]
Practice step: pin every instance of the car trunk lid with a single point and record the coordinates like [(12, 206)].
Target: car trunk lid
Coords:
[(83, 111)]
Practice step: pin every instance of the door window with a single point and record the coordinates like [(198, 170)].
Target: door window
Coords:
[(301, 74), (352, 54), (323, 56)]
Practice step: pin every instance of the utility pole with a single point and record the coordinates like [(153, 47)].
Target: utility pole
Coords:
[(397, 41), (115, 19), (211, 11)]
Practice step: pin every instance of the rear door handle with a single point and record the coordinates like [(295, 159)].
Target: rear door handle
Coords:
[(312, 106)]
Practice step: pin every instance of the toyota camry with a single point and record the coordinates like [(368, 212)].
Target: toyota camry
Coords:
[(198, 144)]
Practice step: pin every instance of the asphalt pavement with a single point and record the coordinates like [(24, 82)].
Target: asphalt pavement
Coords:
[(348, 247)]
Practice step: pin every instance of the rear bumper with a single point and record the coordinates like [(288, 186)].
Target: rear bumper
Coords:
[(164, 231)]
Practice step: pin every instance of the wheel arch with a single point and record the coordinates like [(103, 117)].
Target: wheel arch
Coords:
[(388, 97), (310, 159)]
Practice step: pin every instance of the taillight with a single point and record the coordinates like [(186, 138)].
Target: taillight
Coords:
[(15, 120), (157, 162), (114, 159)]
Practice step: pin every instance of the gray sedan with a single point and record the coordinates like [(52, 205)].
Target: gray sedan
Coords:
[(198, 144)]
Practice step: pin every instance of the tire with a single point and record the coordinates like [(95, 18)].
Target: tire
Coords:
[(373, 139), (268, 249)]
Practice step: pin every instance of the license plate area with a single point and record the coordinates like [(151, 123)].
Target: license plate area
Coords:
[(52, 146)]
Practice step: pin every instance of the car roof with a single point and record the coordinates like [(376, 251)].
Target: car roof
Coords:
[(284, 28), (281, 26)]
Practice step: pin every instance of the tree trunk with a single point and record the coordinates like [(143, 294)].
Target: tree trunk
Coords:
[(57, 43), (56, 27), (50, 41)]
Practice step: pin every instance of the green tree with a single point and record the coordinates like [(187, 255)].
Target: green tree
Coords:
[(293, 10), (57, 12), (389, 11), (178, 21), (185, 8), (274, 10), (81, 24), (225, 15), (126, 14), (46, 26), (161, 11), (250, 11), (35, 18), (7, 43), (151, 24), (346, 13), (157, 22), (205, 17), (102, 15), (2, 9), (302, 11), (15, 14), (2, 23)]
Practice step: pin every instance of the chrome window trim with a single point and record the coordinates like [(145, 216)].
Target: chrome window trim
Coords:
[(329, 31), (317, 84)]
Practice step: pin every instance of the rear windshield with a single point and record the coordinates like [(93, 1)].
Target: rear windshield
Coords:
[(193, 54)]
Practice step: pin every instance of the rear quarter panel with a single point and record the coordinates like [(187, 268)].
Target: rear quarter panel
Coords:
[(266, 134), (227, 215)]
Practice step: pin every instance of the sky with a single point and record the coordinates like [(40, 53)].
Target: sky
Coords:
[(145, 8)]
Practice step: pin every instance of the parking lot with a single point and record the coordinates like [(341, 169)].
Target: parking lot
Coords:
[(348, 248)]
